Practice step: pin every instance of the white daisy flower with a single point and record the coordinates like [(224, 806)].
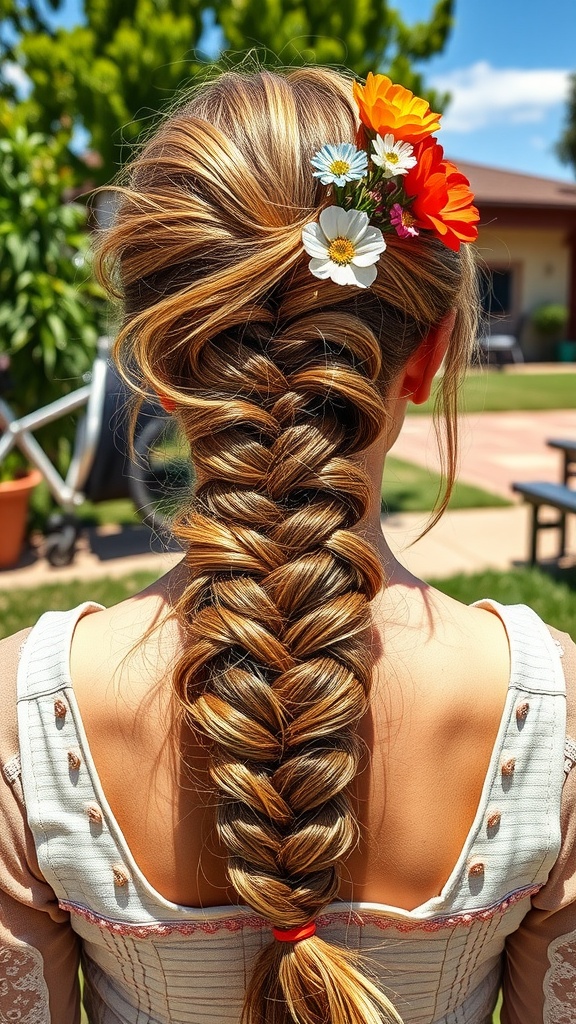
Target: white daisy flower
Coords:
[(343, 246), (394, 157), (337, 164)]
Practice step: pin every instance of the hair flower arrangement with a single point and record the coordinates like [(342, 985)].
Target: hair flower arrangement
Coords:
[(398, 182)]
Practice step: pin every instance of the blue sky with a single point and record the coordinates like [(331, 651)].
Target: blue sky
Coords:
[(506, 66)]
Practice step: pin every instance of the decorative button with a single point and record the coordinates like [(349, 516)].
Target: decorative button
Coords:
[(60, 709), (121, 876), (522, 711), (476, 869), (74, 761), (94, 813), (494, 819), (508, 767)]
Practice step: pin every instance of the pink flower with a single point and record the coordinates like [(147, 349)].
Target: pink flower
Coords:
[(403, 221)]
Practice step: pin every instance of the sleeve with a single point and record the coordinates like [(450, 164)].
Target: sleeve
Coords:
[(539, 981), (39, 951)]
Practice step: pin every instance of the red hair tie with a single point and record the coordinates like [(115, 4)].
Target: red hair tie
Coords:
[(302, 931)]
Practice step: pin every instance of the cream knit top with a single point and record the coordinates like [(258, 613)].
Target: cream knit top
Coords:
[(149, 961)]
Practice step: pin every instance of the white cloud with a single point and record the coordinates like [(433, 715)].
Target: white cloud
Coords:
[(527, 115), (14, 75), (483, 95)]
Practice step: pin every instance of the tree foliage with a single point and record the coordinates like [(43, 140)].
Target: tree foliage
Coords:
[(50, 309), (19, 17), (113, 73), (566, 147)]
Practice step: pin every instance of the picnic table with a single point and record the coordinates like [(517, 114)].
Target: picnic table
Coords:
[(542, 494)]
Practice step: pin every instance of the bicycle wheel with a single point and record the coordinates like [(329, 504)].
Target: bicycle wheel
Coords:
[(162, 476)]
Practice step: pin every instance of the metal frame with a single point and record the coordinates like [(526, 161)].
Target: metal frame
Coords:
[(17, 433)]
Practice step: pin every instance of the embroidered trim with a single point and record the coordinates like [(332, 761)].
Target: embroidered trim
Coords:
[(569, 755), (12, 770), (142, 931), (433, 924), (349, 917)]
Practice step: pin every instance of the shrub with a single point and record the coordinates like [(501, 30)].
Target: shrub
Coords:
[(550, 319)]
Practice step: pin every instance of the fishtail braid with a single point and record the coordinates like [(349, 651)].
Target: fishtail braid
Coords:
[(277, 667)]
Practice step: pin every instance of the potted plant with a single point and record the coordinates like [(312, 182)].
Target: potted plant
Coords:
[(17, 482), (550, 321)]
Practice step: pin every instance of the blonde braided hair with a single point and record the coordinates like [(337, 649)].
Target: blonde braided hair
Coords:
[(280, 383)]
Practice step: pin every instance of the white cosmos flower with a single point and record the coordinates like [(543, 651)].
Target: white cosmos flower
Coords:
[(339, 163), (343, 246), (394, 157)]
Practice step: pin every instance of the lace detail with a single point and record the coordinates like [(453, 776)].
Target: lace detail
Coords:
[(23, 992), (559, 646), (569, 755), (560, 981), (12, 770)]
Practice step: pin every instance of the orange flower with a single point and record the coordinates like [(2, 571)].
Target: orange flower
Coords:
[(385, 107), (443, 200)]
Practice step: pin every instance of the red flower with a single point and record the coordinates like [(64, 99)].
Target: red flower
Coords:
[(443, 201)]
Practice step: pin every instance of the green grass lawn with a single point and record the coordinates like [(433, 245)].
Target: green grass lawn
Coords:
[(410, 488), (19, 608), (493, 391), (552, 594)]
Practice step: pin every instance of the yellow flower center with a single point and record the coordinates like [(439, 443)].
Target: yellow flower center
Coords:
[(339, 167), (407, 219), (341, 251), (392, 158)]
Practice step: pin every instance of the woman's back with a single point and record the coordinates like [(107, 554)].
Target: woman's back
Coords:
[(440, 686), (146, 953)]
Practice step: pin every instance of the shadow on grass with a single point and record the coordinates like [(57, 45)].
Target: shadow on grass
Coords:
[(128, 541)]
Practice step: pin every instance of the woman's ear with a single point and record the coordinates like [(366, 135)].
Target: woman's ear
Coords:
[(425, 362)]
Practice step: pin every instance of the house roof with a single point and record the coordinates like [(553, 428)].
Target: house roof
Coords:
[(494, 187)]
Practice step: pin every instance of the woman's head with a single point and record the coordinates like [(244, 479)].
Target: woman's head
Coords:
[(208, 239), (280, 380)]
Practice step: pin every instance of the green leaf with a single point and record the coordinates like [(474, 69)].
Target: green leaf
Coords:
[(18, 250), (58, 330)]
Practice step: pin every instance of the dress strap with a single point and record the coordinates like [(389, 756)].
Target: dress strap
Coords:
[(536, 664), (45, 662)]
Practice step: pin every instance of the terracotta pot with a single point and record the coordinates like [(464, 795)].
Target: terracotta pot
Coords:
[(14, 495)]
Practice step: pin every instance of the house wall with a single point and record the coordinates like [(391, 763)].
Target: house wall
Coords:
[(540, 259)]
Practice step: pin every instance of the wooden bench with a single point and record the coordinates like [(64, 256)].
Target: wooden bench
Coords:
[(568, 448), (540, 494)]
